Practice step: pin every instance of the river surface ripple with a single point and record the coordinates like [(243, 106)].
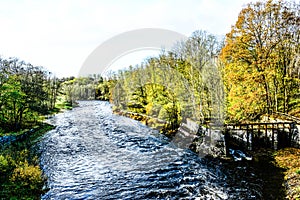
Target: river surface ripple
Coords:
[(94, 154)]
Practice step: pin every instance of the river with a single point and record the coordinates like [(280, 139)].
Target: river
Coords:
[(94, 154)]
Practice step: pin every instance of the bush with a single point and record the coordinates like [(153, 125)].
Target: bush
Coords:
[(27, 176), (4, 165)]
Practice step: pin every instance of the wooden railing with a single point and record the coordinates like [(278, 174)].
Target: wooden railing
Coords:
[(275, 134), (290, 117)]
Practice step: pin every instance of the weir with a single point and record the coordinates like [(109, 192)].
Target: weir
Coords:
[(251, 136)]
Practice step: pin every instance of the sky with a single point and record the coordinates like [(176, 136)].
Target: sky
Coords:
[(60, 34)]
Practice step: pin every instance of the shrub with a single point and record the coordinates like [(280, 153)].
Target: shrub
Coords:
[(4, 165), (27, 176)]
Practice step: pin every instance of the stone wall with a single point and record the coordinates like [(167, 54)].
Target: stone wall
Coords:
[(204, 141)]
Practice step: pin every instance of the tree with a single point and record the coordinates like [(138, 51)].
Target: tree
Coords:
[(183, 83), (26, 91), (257, 53)]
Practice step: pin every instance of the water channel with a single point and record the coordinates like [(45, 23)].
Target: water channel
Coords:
[(94, 154)]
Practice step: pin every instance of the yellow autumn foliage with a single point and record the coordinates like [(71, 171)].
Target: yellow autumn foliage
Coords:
[(27, 175)]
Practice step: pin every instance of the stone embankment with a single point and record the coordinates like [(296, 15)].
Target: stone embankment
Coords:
[(190, 134)]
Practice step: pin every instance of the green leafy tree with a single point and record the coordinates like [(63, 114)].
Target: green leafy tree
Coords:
[(26, 91)]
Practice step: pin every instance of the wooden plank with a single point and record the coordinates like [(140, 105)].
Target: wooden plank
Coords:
[(247, 137)]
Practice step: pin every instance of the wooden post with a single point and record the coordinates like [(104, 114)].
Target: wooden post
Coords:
[(251, 138), (290, 135), (272, 136), (266, 130), (276, 143), (227, 138), (266, 140), (247, 131)]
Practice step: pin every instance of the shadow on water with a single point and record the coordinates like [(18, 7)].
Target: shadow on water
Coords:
[(272, 177), (261, 176), (271, 174)]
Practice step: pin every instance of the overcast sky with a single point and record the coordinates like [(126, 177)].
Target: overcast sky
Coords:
[(60, 34)]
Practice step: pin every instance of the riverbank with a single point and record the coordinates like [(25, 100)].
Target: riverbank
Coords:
[(20, 174), (151, 122), (289, 160)]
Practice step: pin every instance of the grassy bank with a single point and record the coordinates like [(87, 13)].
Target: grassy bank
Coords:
[(20, 174), (289, 160)]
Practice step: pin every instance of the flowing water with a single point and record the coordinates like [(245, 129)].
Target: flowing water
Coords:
[(94, 154)]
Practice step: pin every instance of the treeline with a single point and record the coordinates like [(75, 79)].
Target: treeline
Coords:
[(85, 88), (261, 60), (252, 72), (183, 83), (26, 92)]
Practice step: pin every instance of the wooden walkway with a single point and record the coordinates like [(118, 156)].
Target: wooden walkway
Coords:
[(275, 135)]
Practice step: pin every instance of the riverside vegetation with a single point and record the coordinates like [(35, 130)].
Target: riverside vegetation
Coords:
[(27, 94), (21, 176), (252, 73)]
